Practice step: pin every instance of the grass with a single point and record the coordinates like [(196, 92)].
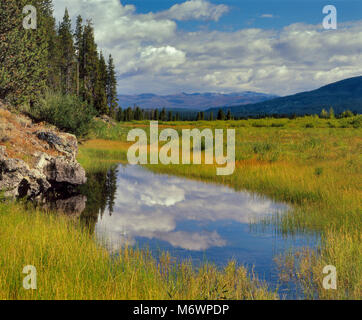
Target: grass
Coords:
[(313, 164), (317, 169), (70, 265)]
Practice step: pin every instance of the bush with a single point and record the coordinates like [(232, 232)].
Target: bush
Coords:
[(67, 112)]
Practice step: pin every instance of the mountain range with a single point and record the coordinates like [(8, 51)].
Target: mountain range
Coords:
[(191, 101), (341, 95)]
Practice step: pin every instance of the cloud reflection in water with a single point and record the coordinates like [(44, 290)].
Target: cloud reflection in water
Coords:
[(151, 206)]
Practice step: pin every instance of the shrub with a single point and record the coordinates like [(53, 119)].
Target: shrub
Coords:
[(346, 114), (318, 171), (67, 112)]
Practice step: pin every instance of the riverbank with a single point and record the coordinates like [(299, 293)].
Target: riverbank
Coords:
[(71, 265), (313, 164), (317, 170)]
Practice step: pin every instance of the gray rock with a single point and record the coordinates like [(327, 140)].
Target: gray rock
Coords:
[(74, 205), (62, 142), (61, 170), (18, 180)]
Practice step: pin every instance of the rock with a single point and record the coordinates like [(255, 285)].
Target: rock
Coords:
[(18, 180), (63, 142), (61, 170), (74, 205), (3, 153), (50, 158)]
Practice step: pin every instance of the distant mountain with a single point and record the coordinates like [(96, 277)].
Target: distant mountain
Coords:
[(193, 101), (341, 95)]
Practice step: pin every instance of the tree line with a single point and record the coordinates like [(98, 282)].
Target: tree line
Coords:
[(53, 58)]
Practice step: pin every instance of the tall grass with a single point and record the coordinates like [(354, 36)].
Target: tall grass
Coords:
[(71, 265), (317, 169)]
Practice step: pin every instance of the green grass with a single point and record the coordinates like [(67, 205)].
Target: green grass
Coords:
[(313, 164), (316, 168), (71, 265)]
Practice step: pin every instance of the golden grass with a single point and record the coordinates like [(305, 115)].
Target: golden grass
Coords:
[(70, 265), (318, 171)]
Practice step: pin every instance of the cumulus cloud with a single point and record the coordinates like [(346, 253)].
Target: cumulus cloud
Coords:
[(154, 206), (153, 55), (194, 10)]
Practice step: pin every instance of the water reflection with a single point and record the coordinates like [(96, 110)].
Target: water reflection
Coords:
[(144, 205), (189, 219)]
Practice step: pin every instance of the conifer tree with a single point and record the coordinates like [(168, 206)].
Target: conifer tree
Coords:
[(67, 55), (79, 52), (221, 115), (100, 97), (23, 53), (90, 64), (228, 116), (111, 86), (119, 116), (331, 113), (163, 115)]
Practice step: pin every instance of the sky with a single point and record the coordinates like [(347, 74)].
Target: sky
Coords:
[(271, 46)]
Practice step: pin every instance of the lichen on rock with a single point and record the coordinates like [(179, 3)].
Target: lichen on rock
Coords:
[(35, 158)]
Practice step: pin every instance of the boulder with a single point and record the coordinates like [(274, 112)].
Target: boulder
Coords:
[(18, 180), (64, 143), (35, 157), (60, 170)]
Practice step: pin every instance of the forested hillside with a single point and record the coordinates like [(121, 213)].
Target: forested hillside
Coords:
[(53, 63)]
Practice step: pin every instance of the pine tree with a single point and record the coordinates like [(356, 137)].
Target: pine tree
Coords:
[(23, 53), (120, 116), (163, 115), (79, 52), (221, 115), (89, 67), (67, 55), (331, 113), (48, 22), (111, 86), (100, 96), (228, 116)]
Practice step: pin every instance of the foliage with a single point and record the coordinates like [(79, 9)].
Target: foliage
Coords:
[(67, 112)]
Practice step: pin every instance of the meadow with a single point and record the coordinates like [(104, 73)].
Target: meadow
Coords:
[(313, 164)]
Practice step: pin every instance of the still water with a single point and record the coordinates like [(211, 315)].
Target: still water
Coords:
[(190, 219)]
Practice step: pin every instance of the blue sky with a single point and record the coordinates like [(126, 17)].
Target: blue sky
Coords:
[(247, 13), (271, 46)]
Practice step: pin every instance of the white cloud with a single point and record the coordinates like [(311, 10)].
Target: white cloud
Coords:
[(152, 55), (194, 10), (267, 16), (154, 206)]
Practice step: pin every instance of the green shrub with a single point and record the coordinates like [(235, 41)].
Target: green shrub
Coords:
[(67, 112)]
